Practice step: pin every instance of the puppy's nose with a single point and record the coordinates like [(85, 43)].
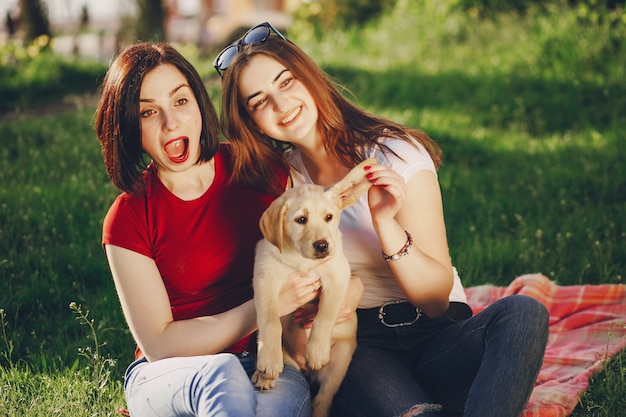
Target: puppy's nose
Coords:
[(321, 246)]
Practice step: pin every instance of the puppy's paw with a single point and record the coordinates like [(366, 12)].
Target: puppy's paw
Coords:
[(269, 366), (317, 355), (262, 382)]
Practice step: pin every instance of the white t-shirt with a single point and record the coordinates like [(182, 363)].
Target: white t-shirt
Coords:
[(360, 242)]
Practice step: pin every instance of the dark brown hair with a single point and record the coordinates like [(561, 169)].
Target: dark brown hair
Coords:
[(347, 129), (117, 117)]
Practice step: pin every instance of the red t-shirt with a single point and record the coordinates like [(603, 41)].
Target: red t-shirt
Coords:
[(203, 248)]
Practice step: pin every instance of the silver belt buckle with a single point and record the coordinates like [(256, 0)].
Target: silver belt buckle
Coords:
[(381, 314)]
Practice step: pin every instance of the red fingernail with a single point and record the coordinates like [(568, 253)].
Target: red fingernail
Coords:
[(370, 175), (367, 167)]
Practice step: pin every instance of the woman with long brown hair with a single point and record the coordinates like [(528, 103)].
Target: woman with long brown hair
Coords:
[(420, 350)]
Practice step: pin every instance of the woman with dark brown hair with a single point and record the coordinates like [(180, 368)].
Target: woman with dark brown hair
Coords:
[(180, 242)]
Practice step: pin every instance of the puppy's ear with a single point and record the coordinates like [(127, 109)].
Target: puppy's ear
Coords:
[(348, 191), (272, 222)]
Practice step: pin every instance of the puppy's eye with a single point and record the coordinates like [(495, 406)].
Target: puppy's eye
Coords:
[(301, 220), (329, 217)]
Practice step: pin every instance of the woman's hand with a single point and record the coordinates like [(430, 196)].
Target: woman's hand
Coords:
[(299, 289), (305, 314), (387, 194)]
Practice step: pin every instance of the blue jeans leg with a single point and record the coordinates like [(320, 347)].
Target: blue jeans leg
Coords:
[(380, 384), (212, 385), (488, 365), (290, 397)]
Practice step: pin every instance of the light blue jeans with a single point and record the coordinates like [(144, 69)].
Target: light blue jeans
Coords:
[(212, 385)]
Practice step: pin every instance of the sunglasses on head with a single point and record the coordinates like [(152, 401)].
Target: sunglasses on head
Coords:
[(257, 34)]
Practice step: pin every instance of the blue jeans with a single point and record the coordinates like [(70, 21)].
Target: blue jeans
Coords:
[(481, 366), (212, 385)]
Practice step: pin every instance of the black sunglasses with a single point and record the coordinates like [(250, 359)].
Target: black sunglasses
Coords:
[(257, 34)]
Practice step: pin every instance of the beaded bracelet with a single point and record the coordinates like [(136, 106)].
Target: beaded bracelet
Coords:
[(402, 252)]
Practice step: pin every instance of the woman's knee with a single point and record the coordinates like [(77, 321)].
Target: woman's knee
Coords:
[(529, 317), (224, 385), (226, 368), (532, 310)]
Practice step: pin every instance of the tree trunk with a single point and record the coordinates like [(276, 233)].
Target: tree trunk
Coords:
[(151, 20), (33, 19)]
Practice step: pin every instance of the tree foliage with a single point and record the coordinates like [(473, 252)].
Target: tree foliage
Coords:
[(330, 13)]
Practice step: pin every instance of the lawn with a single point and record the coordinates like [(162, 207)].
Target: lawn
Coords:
[(529, 111)]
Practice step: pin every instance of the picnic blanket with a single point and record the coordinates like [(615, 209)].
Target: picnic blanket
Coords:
[(587, 327)]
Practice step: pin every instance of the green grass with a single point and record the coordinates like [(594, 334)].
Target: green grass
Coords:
[(529, 112), (32, 74)]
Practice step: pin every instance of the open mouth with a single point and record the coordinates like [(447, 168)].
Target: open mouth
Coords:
[(177, 149), (291, 117)]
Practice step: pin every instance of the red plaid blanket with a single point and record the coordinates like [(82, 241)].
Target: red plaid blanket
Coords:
[(587, 327)]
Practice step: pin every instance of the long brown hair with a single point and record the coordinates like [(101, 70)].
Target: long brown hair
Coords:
[(117, 117), (347, 129)]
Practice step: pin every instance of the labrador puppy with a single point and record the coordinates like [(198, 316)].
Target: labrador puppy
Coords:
[(301, 232)]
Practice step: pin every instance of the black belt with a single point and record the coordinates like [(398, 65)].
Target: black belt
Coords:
[(402, 313)]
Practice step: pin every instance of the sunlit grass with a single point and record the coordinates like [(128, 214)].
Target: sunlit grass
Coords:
[(529, 112), (524, 109), (26, 392), (53, 197)]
